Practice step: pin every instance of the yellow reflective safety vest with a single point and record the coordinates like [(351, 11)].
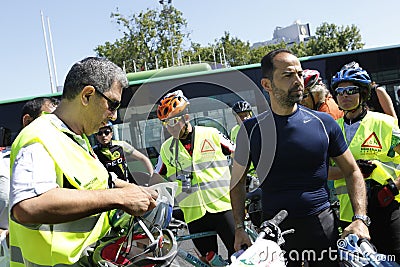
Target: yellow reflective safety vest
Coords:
[(209, 170), (59, 244), (234, 132), (372, 141)]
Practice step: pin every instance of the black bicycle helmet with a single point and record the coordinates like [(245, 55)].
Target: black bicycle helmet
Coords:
[(241, 106), (352, 72)]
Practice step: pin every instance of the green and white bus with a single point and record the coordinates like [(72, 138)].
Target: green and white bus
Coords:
[(212, 92)]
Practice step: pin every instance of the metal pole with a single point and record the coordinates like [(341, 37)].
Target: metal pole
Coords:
[(52, 52), (168, 12), (47, 54)]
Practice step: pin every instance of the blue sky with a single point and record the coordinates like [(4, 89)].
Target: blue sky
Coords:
[(77, 27)]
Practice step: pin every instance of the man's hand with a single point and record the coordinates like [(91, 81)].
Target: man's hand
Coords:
[(357, 227), (366, 167), (137, 200), (241, 239)]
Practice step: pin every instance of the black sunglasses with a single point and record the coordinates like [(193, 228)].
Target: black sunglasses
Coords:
[(112, 104), (349, 90), (105, 132)]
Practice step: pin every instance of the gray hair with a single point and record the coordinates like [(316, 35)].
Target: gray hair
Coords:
[(321, 89), (98, 72)]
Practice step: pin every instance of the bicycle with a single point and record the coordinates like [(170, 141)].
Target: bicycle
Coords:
[(266, 250), (176, 226), (360, 252)]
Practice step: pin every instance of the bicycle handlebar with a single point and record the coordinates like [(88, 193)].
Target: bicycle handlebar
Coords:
[(279, 217)]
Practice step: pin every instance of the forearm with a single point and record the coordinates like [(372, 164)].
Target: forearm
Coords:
[(149, 166), (357, 192), (238, 198), (238, 192), (334, 173), (63, 205)]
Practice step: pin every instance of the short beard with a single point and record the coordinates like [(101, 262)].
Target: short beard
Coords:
[(285, 99)]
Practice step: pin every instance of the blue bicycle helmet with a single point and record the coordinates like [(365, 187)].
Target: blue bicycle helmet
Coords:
[(352, 72)]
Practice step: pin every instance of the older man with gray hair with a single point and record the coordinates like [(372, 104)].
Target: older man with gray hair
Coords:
[(316, 95)]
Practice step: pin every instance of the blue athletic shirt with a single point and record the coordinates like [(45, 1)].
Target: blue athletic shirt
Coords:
[(296, 172)]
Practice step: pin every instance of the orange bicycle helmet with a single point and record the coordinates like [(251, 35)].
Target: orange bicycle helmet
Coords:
[(172, 105)]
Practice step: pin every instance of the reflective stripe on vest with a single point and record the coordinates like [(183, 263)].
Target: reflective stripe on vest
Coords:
[(59, 244), (203, 186)]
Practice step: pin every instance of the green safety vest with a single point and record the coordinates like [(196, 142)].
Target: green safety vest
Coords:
[(58, 244), (372, 141), (209, 169)]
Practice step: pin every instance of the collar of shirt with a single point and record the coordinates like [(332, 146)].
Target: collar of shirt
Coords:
[(81, 140)]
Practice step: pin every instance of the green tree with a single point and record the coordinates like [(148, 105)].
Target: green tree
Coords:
[(330, 38), (147, 39)]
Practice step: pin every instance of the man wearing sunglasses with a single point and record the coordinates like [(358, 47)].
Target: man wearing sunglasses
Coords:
[(196, 157), (374, 140), (317, 97), (113, 153), (59, 197)]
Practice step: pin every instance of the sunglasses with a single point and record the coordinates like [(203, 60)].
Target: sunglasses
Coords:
[(349, 90), (112, 104), (171, 122), (105, 132)]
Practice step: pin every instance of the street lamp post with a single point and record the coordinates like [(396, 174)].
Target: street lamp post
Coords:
[(168, 11)]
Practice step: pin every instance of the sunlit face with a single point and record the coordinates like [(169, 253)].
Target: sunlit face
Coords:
[(100, 113), (346, 101), (288, 84), (104, 135), (175, 126), (48, 106), (241, 116)]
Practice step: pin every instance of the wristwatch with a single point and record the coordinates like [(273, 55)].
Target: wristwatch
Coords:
[(364, 218)]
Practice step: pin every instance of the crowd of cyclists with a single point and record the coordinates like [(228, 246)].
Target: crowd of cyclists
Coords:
[(335, 140)]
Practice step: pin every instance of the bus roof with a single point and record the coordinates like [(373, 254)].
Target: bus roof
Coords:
[(200, 69), (27, 98)]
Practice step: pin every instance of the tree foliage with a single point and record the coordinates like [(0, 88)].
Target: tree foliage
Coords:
[(330, 38), (147, 39)]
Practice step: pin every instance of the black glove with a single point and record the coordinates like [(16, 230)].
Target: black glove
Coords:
[(366, 167), (384, 195)]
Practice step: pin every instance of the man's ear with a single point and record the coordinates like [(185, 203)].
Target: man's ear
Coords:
[(266, 84), (86, 93), (26, 119)]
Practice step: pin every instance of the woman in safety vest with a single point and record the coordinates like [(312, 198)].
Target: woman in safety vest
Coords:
[(374, 140)]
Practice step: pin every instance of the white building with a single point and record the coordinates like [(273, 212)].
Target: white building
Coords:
[(295, 33)]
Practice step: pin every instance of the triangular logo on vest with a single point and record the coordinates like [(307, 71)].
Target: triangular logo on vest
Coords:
[(207, 147), (372, 142)]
